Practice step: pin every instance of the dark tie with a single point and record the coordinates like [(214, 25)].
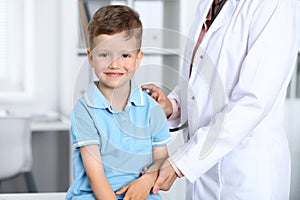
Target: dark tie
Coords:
[(216, 8)]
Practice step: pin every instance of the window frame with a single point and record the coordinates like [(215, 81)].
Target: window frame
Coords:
[(26, 91)]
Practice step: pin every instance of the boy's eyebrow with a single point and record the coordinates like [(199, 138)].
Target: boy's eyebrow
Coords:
[(94, 51), (119, 50), (128, 50), (100, 48)]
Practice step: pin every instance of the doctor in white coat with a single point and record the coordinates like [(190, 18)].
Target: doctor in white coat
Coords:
[(236, 146)]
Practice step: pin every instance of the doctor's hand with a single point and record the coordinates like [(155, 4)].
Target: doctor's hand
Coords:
[(166, 178), (159, 96), (138, 189)]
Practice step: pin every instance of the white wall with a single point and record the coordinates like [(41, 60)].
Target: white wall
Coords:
[(46, 52), (187, 12), (68, 62)]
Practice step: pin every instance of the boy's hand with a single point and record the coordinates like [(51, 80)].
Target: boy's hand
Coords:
[(138, 189)]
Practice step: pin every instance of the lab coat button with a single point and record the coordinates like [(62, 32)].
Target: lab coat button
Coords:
[(193, 98), (201, 56)]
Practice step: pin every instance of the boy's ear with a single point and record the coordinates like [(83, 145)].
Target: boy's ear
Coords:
[(90, 56), (139, 58)]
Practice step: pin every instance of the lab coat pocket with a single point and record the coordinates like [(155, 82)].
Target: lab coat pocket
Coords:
[(246, 170)]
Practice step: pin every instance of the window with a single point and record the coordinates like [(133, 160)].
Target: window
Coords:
[(16, 49)]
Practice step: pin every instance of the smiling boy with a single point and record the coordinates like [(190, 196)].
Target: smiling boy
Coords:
[(117, 130)]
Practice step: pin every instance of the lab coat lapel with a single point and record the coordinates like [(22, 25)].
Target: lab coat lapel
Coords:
[(190, 45), (205, 71), (201, 13), (223, 17), (199, 19)]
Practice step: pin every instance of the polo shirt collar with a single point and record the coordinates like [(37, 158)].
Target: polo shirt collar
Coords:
[(94, 98)]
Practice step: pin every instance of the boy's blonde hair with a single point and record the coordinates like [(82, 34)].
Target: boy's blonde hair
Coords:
[(115, 19)]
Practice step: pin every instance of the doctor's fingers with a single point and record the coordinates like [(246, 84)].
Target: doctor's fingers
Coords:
[(157, 92), (166, 105), (163, 184), (164, 102), (160, 97), (165, 180)]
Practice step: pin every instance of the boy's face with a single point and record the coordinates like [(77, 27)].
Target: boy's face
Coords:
[(114, 59)]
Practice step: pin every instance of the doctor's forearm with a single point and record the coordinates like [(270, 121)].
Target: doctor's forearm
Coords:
[(175, 110)]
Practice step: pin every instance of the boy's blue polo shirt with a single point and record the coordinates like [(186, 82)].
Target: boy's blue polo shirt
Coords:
[(125, 138)]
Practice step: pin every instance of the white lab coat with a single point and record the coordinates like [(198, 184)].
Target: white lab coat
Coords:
[(234, 99)]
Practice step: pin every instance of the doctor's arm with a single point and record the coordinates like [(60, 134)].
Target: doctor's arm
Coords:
[(94, 169)]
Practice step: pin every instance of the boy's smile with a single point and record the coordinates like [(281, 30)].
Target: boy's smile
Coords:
[(113, 74)]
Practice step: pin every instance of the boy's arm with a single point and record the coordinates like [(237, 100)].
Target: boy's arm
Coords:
[(94, 169), (140, 188), (160, 154)]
